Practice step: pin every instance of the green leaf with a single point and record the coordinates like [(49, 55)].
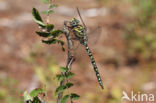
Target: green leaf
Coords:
[(28, 101), (37, 18), (63, 49), (49, 27), (56, 33), (43, 34), (44, 12), (36, 100), (35, 92), (50, 12), (61, 42), (60, 77), (64, 99), (64, 69), (52, 6), (74, 96), (27, 97), (69, 75), (45, 1), (60, 89), (50, 41), (36, 14), (68, 85)]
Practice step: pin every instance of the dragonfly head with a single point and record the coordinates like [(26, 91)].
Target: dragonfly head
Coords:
[(74, 22)]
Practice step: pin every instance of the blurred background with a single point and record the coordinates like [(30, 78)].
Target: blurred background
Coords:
[(125, 49)]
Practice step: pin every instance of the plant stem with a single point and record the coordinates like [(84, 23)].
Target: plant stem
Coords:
[(70, 57)]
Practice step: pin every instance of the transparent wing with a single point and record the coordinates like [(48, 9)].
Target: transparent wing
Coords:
[(94, 35)]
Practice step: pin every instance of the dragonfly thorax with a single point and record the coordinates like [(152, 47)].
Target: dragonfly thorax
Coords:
[(78, 30), (80, 34)]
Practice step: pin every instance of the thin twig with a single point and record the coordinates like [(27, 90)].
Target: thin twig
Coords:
[(70, 57)]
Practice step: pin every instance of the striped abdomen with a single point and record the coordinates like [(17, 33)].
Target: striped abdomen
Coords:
[(94, 65)]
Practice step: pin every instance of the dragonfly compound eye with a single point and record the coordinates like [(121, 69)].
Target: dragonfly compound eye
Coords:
[(74, 22)]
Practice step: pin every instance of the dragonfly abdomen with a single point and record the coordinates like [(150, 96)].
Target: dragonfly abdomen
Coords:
[(94, 65)]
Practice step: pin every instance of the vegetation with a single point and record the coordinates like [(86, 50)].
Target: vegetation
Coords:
[(125, 51), (140, 38), (52, 37)]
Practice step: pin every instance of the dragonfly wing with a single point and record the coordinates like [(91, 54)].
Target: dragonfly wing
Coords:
[(94, 35)]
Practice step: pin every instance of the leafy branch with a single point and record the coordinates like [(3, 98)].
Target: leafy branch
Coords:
[(51, 36)]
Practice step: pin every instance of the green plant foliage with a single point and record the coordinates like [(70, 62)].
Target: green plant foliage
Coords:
[(63, 49), (64, 99), (59, 77), (48, 30), (37, 17), (50, 7), (50, 11), (36, 100), (44, 12), (68, 85), (56, 33), (43, 34), (27, 96), (36, 91), (49, 41), (63, 69), (140, 38), (45, 1), (69, 75), (3, 93), (51, 36), (61, 42), (60, 89), (49, 27), (63, 76), (53, 6), (74, 96), (32, 97)]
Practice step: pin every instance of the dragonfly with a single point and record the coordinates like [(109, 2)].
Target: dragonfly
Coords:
[(80, 33)]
